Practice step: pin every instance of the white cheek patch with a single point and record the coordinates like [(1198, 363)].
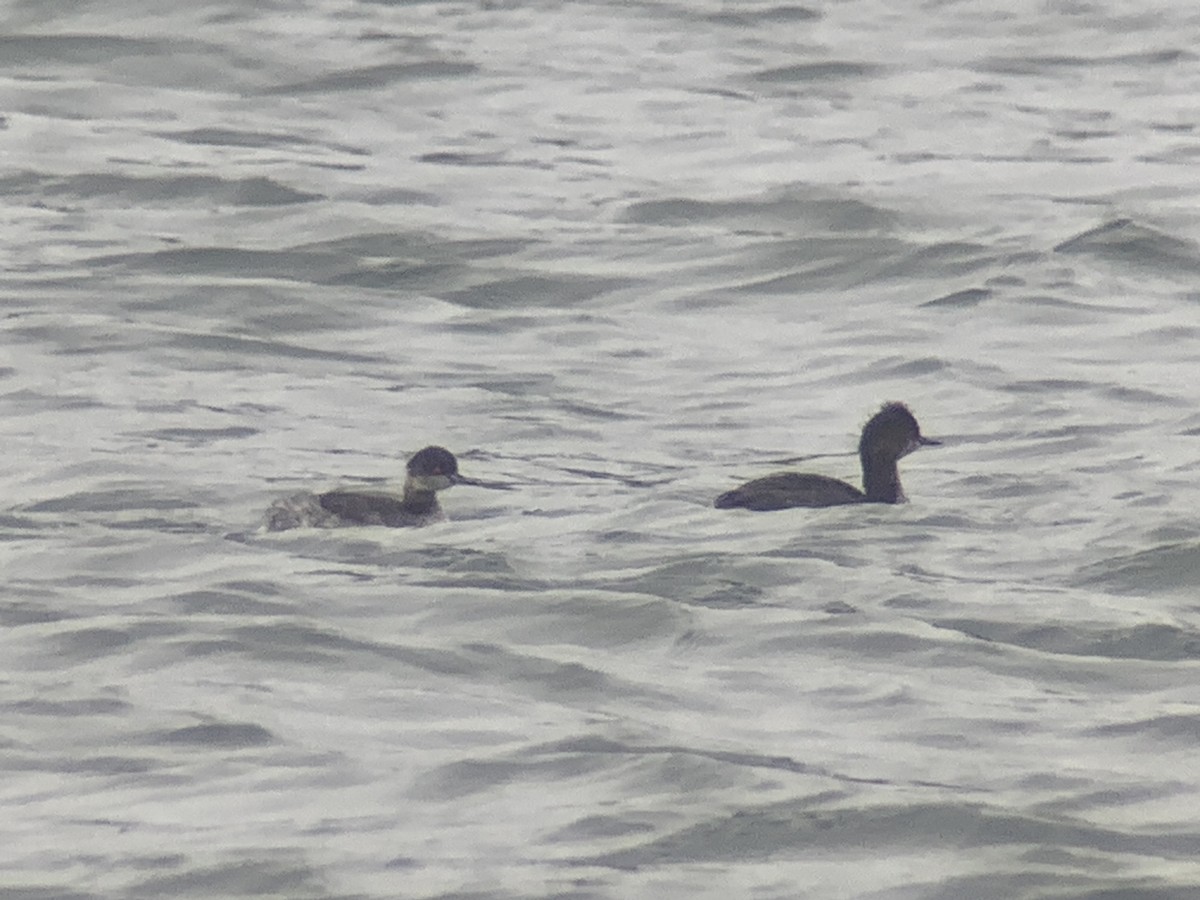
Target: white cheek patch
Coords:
[(432, 482)]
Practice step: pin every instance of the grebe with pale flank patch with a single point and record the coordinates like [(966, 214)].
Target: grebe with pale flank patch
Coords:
[(429, 471)]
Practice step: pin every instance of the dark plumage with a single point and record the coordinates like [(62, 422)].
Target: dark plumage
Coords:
[(429, 471), (890, 434)]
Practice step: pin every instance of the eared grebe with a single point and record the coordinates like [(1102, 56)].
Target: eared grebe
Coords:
[(890, 434), (429, 471)]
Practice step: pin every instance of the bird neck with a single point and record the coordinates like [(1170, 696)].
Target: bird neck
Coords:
[(418, 499), (881, 479)]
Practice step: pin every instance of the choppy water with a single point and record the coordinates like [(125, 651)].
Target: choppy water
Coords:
[(620, 256)]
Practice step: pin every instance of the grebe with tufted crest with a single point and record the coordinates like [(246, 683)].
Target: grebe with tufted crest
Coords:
[(890, 434)]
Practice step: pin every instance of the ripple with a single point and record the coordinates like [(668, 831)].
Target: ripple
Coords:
[(368, 77), (1159, 642), (1126, 241), (1168, 568)]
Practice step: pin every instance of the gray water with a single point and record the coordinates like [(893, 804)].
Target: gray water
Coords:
[(619, 257)]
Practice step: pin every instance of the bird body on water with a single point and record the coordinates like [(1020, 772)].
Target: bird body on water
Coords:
[(890, 434), (428, 471)]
